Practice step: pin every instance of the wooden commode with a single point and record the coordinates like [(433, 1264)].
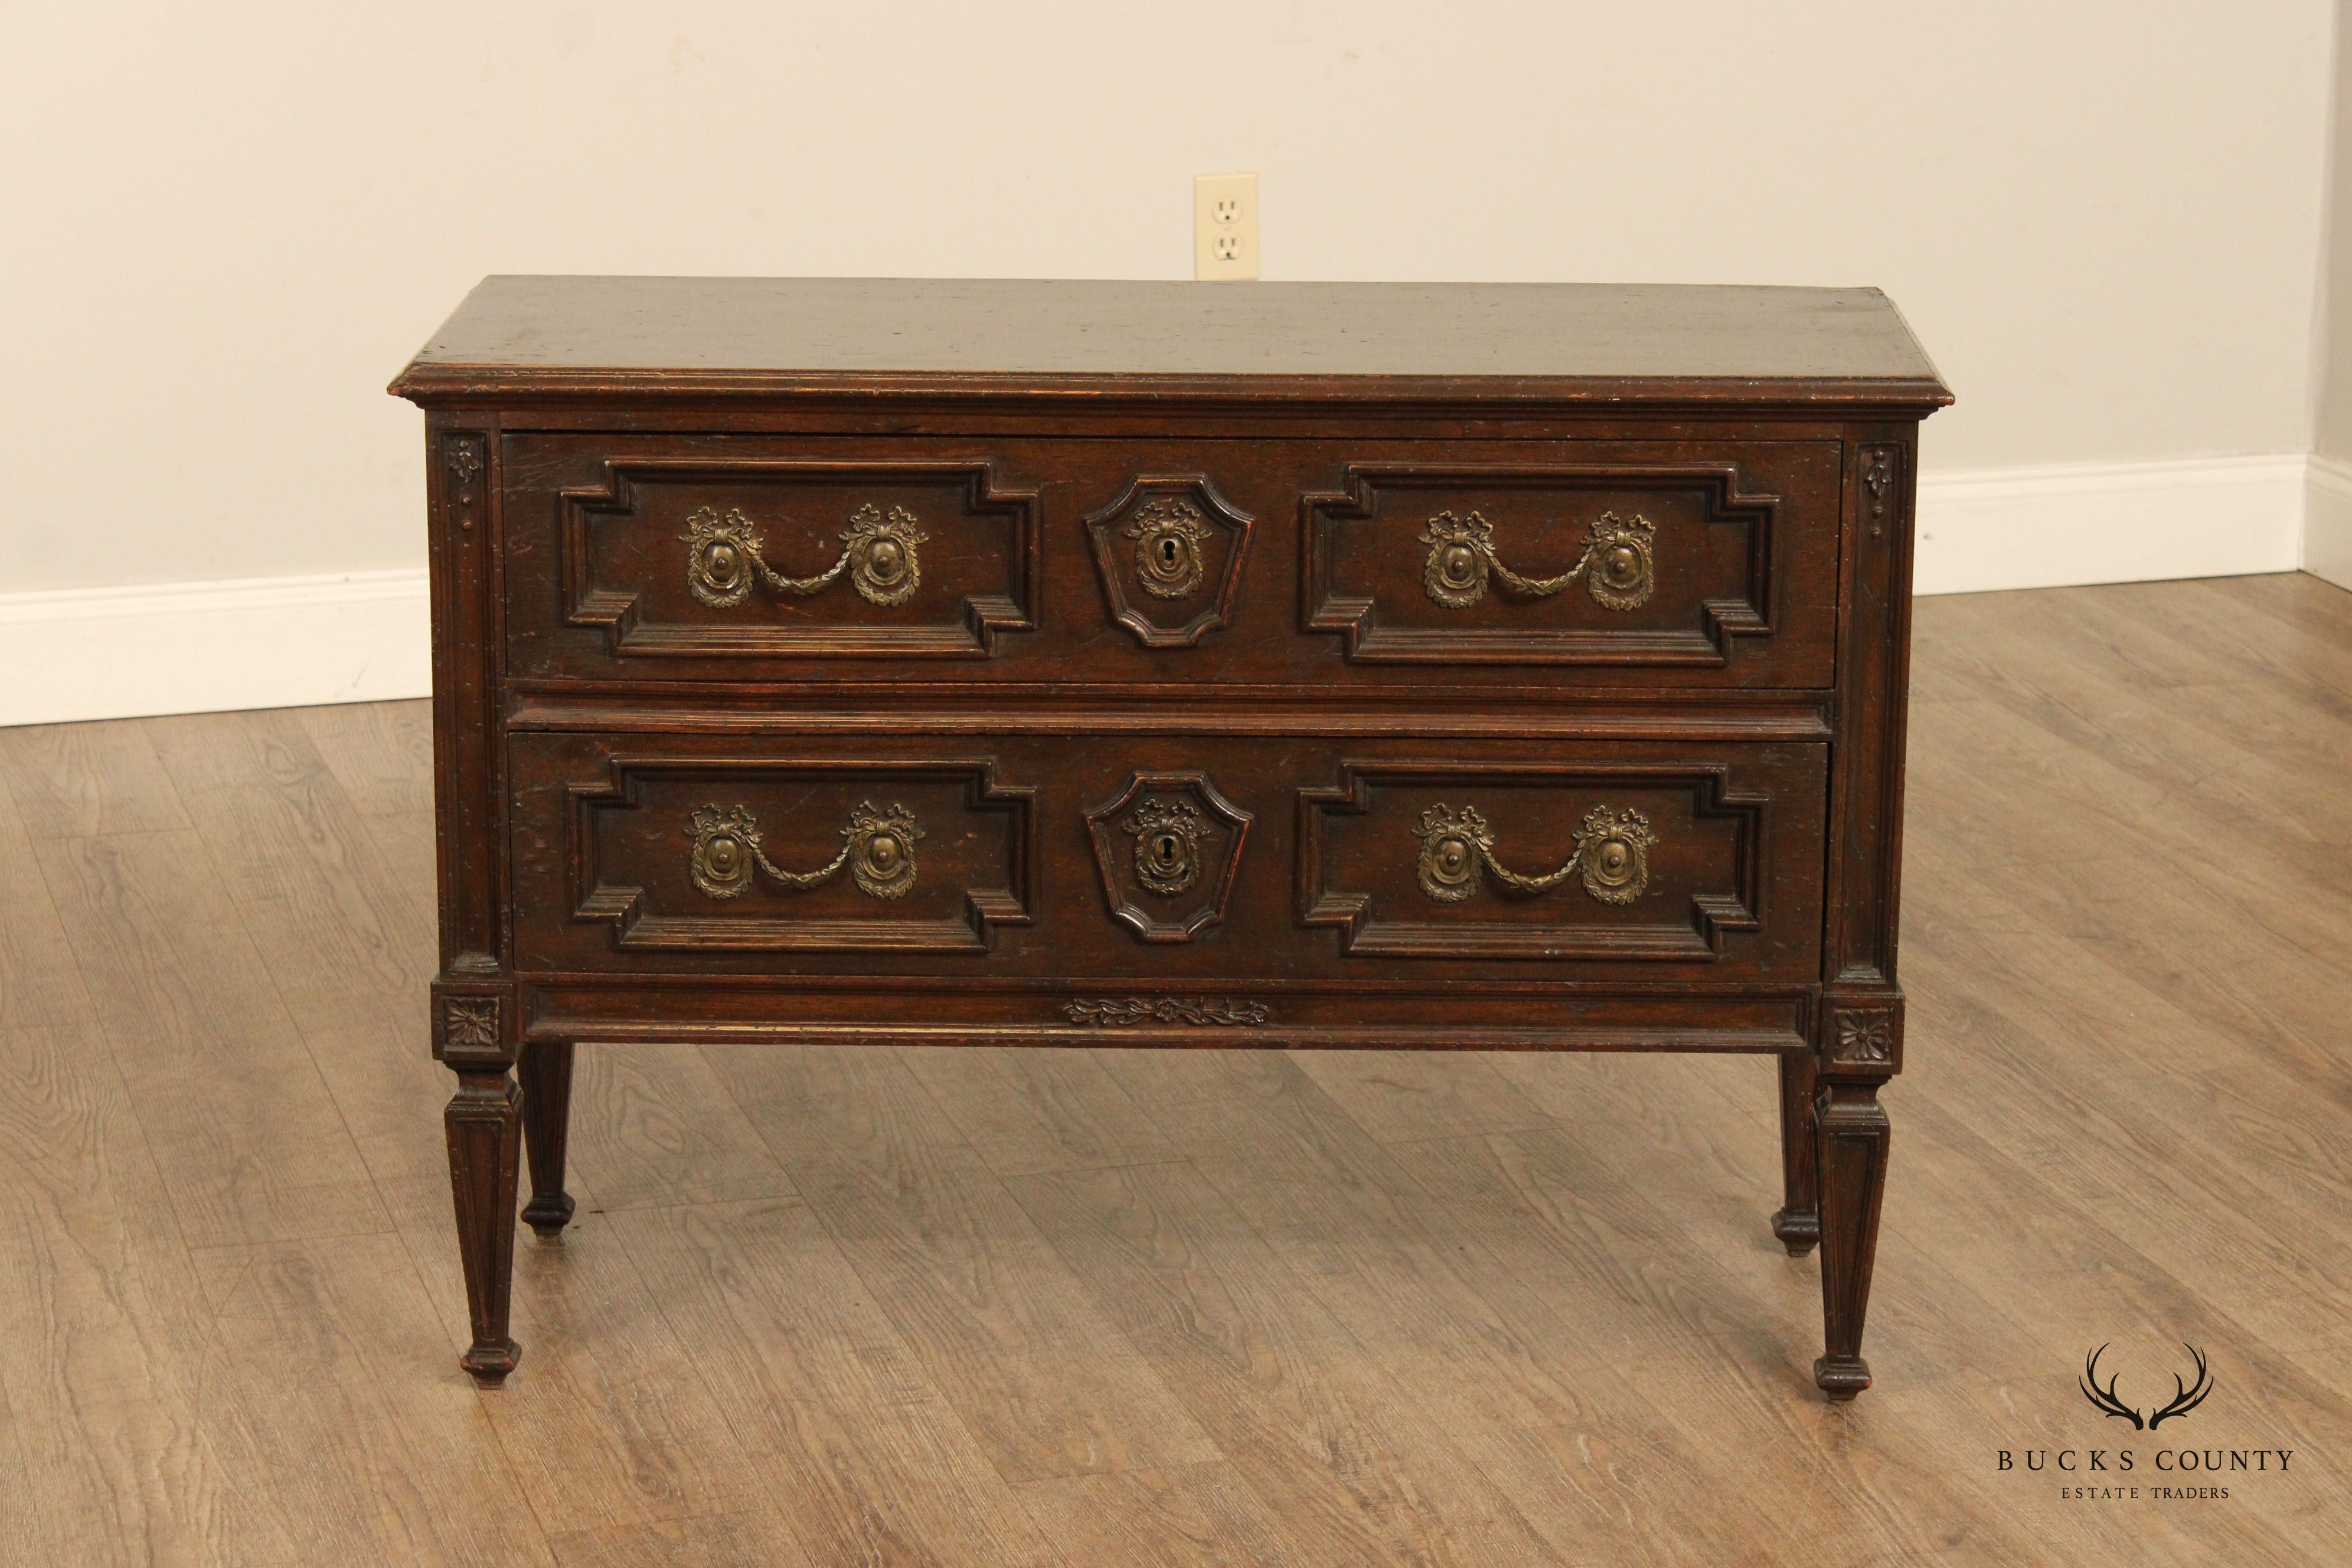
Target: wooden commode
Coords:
[(1392, 666)]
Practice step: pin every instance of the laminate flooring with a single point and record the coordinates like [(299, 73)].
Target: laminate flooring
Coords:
[(1120, 1307)]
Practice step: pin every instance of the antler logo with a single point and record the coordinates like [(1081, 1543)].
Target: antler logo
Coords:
[(2185, 1397)]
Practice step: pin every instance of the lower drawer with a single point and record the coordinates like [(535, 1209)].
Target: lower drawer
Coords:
[(1347, 863)]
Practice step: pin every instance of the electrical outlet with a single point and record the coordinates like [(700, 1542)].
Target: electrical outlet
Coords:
[(1224, 226)]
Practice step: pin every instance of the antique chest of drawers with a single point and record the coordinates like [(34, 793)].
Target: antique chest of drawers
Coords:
[(1513, 668)]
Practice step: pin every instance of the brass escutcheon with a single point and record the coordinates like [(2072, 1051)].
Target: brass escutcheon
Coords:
[(880, 555), (1168, 532), (1613, 856), (876, 847), (1617, 567), (1167, 834)]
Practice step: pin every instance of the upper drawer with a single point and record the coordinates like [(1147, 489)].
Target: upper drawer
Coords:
[(1324, 563)]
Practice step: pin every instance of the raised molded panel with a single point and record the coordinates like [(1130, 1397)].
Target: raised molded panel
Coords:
[(784, 854), (1599, 860), (796, 557), (1639, 564)]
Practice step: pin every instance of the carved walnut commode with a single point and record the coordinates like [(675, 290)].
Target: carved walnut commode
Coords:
[(1512, 668)]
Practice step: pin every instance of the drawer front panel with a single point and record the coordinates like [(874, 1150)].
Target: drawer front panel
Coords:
[(773, 559), (1144, 861), (1644, 563), (1366, 565)]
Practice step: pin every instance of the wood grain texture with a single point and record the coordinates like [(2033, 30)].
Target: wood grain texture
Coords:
[(1385, 1304), (960, 1271), (1160, 1519), (851, 1433), (234, 1108), (653, 1125), (835, 332), (1289, 1398), (287, 846), (79, 780), (1026, 1111), (609, 1423)]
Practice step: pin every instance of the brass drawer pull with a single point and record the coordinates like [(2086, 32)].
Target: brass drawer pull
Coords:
[(1613, 853), (1616, 566), (722, 558), (878, 848)]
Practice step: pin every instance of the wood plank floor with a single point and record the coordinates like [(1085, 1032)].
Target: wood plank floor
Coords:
[(839, 1307)]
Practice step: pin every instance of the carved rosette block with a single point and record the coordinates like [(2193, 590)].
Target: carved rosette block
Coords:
[(469, 1029), (1170, 551), (1169, 848), (1862, 1039)]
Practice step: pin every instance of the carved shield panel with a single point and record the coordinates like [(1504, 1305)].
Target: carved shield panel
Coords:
[(1170, 551), (1168, 849)]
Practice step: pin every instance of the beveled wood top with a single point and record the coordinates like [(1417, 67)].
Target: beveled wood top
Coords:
[(1455, 341)]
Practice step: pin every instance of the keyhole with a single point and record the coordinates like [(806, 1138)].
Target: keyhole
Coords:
[(1165, 848), (1168, 553)]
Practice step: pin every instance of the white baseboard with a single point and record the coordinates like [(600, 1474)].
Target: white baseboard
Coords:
[(2327, 521), (286, 642), (201, 647), (2060, 525)]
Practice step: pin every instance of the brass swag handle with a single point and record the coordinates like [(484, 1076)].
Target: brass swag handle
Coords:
[(1613, 853), (878, 848), (722, 558), (1616, 565)]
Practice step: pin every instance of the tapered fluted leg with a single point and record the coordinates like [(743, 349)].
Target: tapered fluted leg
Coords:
[(546, 1073), (484, 1122), (1851, 1133), (1798, 1222)]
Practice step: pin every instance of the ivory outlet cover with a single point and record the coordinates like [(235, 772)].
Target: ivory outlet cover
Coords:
[(1224, 226)]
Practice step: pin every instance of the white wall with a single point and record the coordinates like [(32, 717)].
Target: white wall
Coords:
[(2327, 539), (231, 224)]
